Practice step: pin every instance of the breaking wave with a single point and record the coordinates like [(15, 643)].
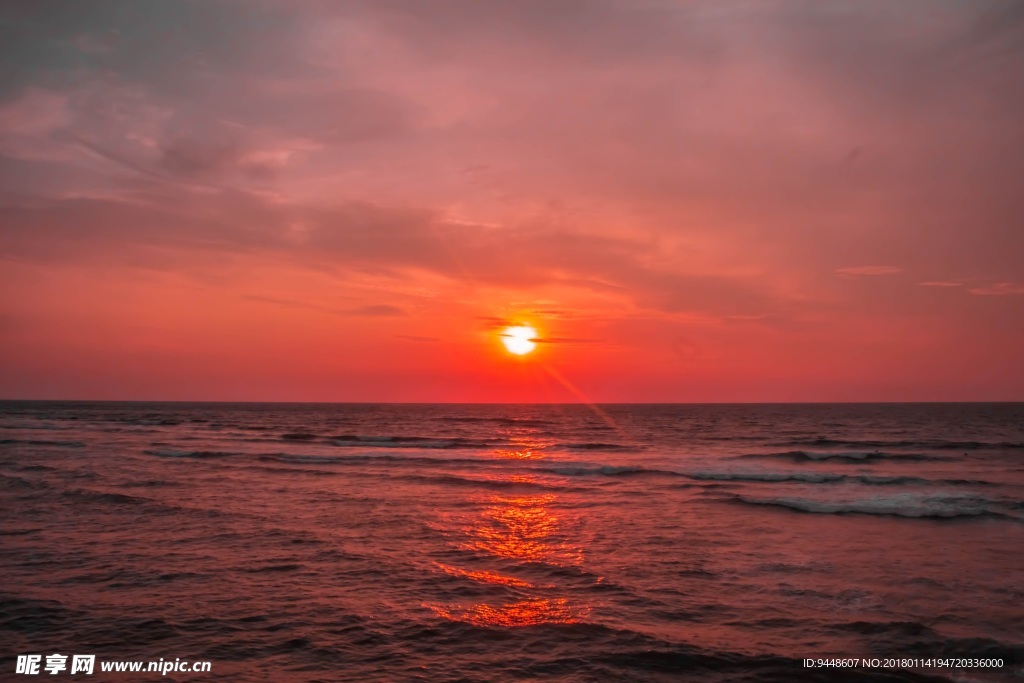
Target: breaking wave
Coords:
[(912, 505), (849, 456), (930, 444), (811, 478), (607, 471), (41, 442), (594, 446), (173, 453), (349, 440), (357, 458), (503, 421)]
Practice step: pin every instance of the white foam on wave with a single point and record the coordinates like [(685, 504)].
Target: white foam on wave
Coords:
[(605, 470), (811, 478), (808, 477), (307, 459), (844, 455), (897, 504)]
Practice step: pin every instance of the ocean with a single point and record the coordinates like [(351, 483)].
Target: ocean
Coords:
[(358, 542)]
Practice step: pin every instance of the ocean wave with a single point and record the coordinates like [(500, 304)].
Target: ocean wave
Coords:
[(810, 478), (664, 664), (31, 468), (42, 442), (33, 616), (14, 483), (362, 458), (107, 497), (912, 505), (930, 444), (148, 422), (607, 471), (886, 628), (151, 483), (981, 648), (828, 478), (977, 445), (19, 532), (500, 484), (851, 456), (310, 459), (290, 567), (173, 453), (350, 440), (139, 503), (918, 639), (818, 477), (504, 421), (35, 426), (597, 446)]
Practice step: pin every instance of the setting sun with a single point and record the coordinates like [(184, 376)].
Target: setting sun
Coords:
[(519, 340)]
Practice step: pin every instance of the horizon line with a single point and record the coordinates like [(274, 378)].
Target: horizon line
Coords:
[(509, 403)]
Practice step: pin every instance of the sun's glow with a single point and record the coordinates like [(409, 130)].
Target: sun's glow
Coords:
[(519, 339)]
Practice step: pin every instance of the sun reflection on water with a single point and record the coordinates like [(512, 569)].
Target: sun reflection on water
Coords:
[(522, 528), (485, 576), (521, 454), (519, 530), (529, 612)]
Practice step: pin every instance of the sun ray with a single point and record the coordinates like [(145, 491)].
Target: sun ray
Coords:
[(596, 409)]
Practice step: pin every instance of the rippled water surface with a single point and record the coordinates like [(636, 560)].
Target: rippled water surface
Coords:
[(514, 543)]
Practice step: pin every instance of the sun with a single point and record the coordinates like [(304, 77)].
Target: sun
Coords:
[(519, 339)]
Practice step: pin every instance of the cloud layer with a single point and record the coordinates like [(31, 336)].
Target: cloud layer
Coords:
[(331, 183)]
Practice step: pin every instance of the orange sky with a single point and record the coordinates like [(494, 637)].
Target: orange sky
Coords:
[(346, 201)]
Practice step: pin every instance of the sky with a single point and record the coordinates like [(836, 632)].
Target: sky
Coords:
[(330, 200)]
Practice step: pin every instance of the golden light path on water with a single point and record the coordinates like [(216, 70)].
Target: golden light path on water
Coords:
[(517, 529)]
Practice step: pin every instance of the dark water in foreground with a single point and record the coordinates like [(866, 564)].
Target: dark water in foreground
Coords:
[(513, 543)]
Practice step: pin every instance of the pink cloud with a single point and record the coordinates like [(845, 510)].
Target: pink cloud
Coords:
[(999, 289), (636, 172), (869, 270)]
